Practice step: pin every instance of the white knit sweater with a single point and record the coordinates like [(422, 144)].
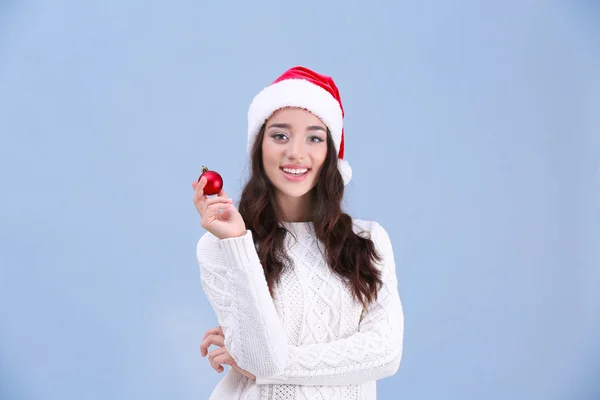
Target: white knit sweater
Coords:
[(312, 340)]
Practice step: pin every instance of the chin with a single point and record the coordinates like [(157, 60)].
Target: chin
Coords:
[(290, 189), (295, 192)]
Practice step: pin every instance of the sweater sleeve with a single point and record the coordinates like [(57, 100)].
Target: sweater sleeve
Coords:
[(233, 279), (374, 352)]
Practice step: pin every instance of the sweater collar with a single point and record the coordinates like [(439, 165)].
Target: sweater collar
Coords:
[(298, 227)]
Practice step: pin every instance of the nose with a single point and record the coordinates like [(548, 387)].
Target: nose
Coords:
[(296, 148)]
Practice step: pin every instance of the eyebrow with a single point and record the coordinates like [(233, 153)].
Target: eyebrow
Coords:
[(288, 126)]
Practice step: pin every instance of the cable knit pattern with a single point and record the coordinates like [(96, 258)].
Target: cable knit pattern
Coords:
[(312, 340)]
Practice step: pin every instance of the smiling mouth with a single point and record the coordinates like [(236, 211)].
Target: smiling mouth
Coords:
[(296, 171)]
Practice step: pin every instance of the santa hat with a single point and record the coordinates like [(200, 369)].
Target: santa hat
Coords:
[(303, 88)]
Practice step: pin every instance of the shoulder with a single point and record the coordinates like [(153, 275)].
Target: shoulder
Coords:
[(381, 240), (368, 228), (374, 231)]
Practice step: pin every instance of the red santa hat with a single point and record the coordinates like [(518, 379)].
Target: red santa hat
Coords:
[(303, 88)]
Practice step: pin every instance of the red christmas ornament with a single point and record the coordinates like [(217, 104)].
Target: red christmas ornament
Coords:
[(214, 182)]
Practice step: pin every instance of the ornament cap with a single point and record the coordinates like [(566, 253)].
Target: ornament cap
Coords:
[(204, 169)]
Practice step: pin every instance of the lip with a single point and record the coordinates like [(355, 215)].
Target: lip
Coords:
[(295, 166), (294, 178)]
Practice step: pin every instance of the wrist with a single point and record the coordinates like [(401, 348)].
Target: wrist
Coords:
[(233, 236)]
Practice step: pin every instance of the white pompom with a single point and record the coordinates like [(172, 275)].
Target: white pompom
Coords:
[(345, 170)]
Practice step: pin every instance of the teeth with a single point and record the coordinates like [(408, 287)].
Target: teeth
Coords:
[(295, 171)]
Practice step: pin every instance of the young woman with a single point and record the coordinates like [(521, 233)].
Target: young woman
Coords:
[(306, 297)]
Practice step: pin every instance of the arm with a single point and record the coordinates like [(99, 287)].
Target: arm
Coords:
[(374, 352), (234, 282)]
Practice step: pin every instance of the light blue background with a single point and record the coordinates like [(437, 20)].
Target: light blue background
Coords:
[(473, 129)]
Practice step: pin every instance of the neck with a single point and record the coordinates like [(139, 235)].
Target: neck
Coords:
[(294, 209)]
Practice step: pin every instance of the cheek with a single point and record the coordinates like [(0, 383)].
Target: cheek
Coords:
[(270, 156), (320, 156)]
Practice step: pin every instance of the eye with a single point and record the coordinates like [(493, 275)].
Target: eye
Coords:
[(315, 139), (279, 136)]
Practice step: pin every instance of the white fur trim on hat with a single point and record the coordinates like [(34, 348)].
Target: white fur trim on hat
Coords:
[(295, 93), (345, 170)]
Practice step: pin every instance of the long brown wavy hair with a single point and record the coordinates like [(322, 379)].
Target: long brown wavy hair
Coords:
[(349, 255)]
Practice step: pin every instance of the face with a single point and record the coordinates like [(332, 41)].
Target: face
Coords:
[(294, 148)]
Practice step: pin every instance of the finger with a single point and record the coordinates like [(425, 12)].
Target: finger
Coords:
[(202, 182), (199, 196), (215, 352), (223, 358), (216, 366), (214, 355), (210, 331), (226, 213), (214, 208), (211, 339), (215, 331), (206, 343), (218, 199), (222, 193), (220, 330), (203, 349)]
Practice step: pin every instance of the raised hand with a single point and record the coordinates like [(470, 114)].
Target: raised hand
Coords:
[(218, 214)]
